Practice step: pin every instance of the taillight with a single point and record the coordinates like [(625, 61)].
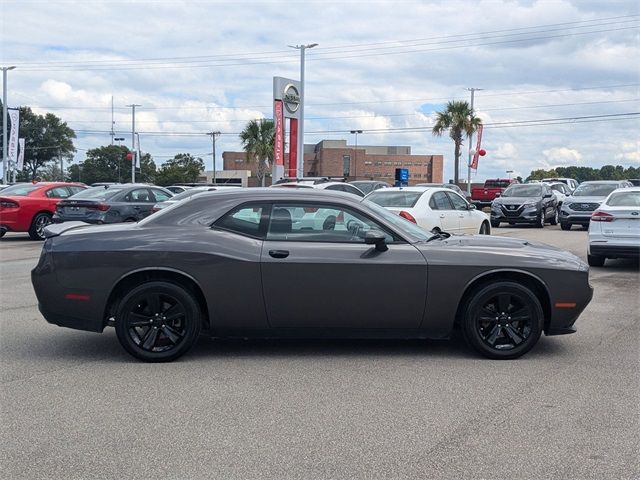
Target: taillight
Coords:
[(599, 216), (103, 207), (5, 203), (407, 216)]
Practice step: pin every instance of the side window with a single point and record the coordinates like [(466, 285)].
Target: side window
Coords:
[(320, 223), (335, 188), (58, 192), (139, 195), (160, 195), (350, 189), (75, 190), (244, 220), (458, 202), (440, 201)]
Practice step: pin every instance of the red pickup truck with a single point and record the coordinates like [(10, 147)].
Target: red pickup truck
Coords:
[(483, 196)]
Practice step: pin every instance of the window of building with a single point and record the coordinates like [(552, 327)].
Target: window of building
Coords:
[(388, 164), (368, 162), (379, 163), (346, 165)]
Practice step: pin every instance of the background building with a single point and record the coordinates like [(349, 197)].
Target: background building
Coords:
[(334, 158)]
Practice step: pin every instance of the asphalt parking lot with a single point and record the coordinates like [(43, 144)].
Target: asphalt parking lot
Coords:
[(75, 405)]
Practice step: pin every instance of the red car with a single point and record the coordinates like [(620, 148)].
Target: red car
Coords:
[(28, 207)]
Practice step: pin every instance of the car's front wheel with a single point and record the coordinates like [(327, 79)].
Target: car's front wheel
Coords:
[(565, 226), (595, 260), (158, 321), (38, 224), (495, 223), (555, 218), (540, 220), (503, 320)]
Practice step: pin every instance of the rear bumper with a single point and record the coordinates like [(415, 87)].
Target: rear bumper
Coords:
[(614, 251), (12, 221), (64, 320)]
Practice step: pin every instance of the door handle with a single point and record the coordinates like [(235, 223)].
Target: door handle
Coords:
[(279, 253), (442, 215)]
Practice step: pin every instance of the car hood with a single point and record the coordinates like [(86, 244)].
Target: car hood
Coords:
[(503, 251), (516, 200), (591, 199)]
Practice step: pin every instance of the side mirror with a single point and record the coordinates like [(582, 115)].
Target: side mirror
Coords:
[(377, 238), (498, 194), (471, 206)]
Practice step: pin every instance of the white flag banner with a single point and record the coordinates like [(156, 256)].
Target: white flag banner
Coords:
[(21, 154), (14, 115), (138, 152)]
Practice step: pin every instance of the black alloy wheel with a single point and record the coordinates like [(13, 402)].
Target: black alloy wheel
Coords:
[(484, 229), (503, 320), (158, 321), (38, 224)]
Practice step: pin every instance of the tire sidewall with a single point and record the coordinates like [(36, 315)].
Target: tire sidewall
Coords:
[(479, 298), (193, 318), (33, 229)]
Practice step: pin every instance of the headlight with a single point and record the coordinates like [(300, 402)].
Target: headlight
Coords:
[(529, 205)]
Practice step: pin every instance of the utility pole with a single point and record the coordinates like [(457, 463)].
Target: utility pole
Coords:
[(5, 160), (61, 165), (355, 154), (472, 90), (112, 122), (213, 144), (133, 141), (300, 149)]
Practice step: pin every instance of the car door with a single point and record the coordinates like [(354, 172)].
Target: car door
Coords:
[(468, 220), (442, 207), (325, 276), (139, 202), (549, 201)]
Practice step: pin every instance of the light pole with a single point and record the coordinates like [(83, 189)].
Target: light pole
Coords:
[(355, 154), (133, 141), (5, 163), (472, 90), (119, 139), (213, 153), (509, 172), (300, 152)]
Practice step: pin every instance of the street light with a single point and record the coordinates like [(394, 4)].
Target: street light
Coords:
[(509, 172), (300, 152), (355, 155), (119, 139), (5, 162)]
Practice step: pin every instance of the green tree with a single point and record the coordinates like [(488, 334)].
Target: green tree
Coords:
[(183, 168), (459, 119), (47, 139), (257, 141), (109, 164)]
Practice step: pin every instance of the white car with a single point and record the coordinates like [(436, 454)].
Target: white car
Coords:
[(188, 193), (614, 230), (437, 208), (322, 185), (560, 191)]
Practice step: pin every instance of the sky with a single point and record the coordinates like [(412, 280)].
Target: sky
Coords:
[(559, 80)]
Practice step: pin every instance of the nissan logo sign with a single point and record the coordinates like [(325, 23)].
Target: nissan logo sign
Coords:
[(291, 98)]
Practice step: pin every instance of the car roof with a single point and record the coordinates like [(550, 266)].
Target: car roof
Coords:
[(415, 188), (603, 181)]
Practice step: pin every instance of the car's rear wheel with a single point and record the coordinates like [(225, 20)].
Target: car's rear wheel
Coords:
[(565, 226), (484, 229), (38, 224), (595, 260), (503, 320), (554, 219), (158, 321)]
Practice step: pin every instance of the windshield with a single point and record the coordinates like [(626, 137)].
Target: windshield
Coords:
[(523, 191), (496, 183), (624, 199), (396, 198), (21, 189), (365, 187), (97, 193), (594, 189), (402, 224)]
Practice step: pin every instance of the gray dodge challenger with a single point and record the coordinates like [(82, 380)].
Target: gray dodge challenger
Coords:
[(302, 263)]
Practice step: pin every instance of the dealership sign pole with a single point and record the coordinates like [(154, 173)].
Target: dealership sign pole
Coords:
[(14, 115), (286, 104)]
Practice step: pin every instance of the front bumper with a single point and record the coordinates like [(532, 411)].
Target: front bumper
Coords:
[(526, 215)]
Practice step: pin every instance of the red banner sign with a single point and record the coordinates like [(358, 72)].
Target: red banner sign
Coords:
[(278, 147), (474, 161)]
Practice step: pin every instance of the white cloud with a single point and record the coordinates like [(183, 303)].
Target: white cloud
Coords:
[(558, 156)]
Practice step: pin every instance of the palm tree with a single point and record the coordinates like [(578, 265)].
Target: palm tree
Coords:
[(460, 120), (257, 141)]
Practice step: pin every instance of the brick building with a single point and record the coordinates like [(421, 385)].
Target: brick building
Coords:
[(334, 158)]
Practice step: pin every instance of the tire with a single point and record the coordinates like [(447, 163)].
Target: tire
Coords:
[(540, 220), (484, 229), (565, 226), (38, 224), (2, 232), (158, 321), (502, 337), (595, 260), (495, 224), (555, 219)]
